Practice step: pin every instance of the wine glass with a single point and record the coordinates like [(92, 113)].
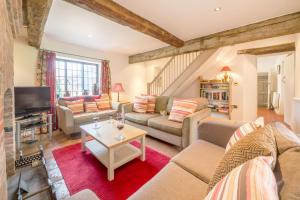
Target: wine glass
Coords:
[(96, 120), (120, 126)]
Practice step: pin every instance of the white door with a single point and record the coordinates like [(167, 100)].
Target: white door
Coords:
[(288, 80)]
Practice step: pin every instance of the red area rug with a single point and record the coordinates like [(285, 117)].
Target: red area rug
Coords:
[(84, 171)]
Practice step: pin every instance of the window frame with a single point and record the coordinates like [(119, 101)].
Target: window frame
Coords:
[(82, 63)]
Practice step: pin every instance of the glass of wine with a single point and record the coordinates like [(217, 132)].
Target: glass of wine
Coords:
[(120, 126), (96, 121)]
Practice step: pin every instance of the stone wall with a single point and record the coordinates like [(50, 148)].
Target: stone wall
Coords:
[(6, 82)]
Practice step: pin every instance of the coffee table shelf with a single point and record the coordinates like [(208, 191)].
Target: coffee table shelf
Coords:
[(122, 154), (110, 151)]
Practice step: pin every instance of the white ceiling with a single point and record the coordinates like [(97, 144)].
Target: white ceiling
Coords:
[(186, 19)]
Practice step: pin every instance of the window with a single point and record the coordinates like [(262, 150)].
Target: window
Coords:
[(74, 78)]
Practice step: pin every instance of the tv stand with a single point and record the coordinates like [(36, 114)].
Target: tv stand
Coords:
[(30, 123)]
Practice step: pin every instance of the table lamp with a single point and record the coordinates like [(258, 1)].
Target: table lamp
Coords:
[(226, 69), (118, 87)]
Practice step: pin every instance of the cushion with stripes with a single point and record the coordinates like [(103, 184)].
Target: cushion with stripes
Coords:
[(75, 106), (151, 103), (104, 102), (182, 108), (252, 180), (91, 107), (140, 104), (245, 130)]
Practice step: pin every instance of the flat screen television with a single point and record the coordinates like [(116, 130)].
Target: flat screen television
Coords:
[(31, 100)]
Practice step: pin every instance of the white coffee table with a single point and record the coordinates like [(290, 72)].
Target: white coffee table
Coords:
[(111, 152)]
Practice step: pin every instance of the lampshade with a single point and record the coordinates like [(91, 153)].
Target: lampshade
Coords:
[(225, 69), (118, 87)]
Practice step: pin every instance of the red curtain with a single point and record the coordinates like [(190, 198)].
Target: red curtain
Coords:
[(48, 65), (105, 78)]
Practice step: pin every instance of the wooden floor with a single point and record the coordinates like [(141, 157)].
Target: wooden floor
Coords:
[(269, 115)]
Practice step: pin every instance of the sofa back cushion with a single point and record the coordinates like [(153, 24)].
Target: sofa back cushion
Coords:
[(201, 103), (75, 106), (251, 180), (161, 103)]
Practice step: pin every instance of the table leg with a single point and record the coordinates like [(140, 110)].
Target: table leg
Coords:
[(83, 140), (110, 169), (143, 148)]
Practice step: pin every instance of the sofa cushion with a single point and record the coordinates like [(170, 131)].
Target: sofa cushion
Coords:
[(257, 143), (287, 173), (201, 103), (88, 117), (76, 106), (172, 182), (162, 123), (140, 104), (253, 179), (200, 159), (140, 118), (161, 103), (182, 108)]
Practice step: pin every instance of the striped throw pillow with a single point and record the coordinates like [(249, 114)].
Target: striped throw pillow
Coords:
[(104, 102), (140, 104), (245, 130), (151, 103), (91, 107), (182, 108), (252, 180), (75, 106)]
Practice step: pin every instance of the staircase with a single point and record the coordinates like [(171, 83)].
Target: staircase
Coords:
[(171, 72)]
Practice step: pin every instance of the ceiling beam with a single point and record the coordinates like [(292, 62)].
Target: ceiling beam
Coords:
[(284, 25), (119, 14), (269, 49), (37, 14)]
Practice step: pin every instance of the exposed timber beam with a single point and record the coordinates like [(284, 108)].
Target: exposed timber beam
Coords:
[(37, 14), (284, 25), (119, 14), (269, 49)]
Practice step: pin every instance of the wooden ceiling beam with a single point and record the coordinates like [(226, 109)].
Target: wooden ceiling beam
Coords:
[(37, 14), (279, 26), (119, 14), (269, 49)]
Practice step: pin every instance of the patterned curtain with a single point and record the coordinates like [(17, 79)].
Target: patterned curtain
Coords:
[(46, 77), (105, 79)]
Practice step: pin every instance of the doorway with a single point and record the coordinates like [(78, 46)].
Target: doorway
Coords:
[(275, 86)]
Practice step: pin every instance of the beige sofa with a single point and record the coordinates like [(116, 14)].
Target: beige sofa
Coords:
[(69, 123), (158, 126), (187, 175)]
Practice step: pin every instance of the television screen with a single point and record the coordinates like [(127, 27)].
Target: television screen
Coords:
[(30, 100)]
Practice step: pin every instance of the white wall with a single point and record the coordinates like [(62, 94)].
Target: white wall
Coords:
[(25, 61), (296, 103), (133, 76)]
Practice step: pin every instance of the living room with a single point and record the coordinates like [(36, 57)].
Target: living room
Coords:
[(117, 100)]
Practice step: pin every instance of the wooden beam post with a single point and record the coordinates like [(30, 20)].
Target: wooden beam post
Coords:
[(37, 14), (269, 49), (119, 14), (284, 25)]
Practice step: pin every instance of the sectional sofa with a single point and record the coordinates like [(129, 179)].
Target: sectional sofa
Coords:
[(158, 126), (187, 175)]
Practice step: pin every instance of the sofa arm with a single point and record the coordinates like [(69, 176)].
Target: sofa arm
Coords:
[(66, 119), (190, 126), (127, 108), (218, 131)]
